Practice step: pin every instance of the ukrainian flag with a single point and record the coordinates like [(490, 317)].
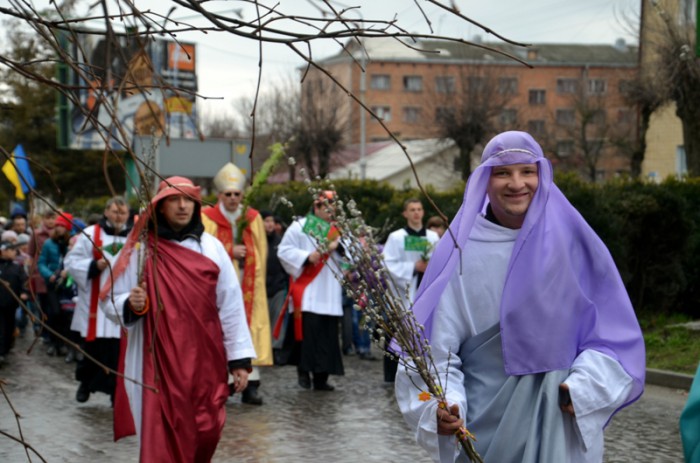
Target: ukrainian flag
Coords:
[(17, 171)]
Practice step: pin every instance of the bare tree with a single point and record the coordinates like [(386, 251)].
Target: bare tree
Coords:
[(221, 125), (642, 94), (469, 108), (677, 75), (320, 129), (260, 22)]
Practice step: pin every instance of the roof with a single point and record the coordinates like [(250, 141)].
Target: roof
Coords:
[(390, 160), (441, 51), (339, 159)]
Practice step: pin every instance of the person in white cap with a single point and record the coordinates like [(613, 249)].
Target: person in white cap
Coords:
[(242, 232)]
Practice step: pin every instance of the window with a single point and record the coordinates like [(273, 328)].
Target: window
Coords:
[(567, 85), (476, 83), (566, 117), (382, 112), (594, 146), (508, 85), (565, 148), (535, 127), (413, 84), (625, 116), (598, 117), (625, 87), (681, 161), (380, 82), (445, 84), (536, 97), (444, 113), (411, 114), (508, 117), (597, 86)]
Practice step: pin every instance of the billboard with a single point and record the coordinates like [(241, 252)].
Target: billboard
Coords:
[(148, 86)]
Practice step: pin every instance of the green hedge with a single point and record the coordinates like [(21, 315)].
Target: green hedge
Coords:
[(652, 230)]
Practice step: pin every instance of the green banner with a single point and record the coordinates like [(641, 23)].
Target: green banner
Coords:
[(415, 243), (316, 227)]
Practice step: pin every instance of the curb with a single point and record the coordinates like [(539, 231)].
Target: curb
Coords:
[(669, 379)]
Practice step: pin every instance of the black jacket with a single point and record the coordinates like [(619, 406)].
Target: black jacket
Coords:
[(14, 275)]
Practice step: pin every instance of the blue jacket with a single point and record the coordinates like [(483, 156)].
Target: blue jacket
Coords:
[(51, 258)]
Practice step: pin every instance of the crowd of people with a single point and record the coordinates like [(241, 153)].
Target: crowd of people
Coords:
[(523, 306)]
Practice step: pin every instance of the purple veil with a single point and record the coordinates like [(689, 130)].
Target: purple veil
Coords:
[(562, 294)]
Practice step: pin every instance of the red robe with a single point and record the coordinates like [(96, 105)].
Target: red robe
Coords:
[(183, 359)]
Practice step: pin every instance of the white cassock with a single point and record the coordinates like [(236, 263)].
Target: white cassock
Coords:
[(401, 263), (323, 296), (77, 263), (467, 318)]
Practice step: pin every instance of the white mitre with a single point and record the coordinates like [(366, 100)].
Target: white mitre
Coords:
[(228, 178)]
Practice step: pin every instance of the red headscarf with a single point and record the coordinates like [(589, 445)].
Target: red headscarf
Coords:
[(171, 186)]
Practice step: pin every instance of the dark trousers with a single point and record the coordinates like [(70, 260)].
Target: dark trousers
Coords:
[(7, 329), (319, 351), (105, 351)]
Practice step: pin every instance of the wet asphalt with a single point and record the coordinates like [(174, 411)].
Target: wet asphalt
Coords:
[(358, 422)]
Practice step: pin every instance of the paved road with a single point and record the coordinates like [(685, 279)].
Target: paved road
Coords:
[(358, 422)]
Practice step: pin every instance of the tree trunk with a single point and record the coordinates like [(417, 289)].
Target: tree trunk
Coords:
[(641, 146), (463, 162)]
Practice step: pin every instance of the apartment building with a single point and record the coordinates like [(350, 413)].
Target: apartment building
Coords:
[(570, 99)]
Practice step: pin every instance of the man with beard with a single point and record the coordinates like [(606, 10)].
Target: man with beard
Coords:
[(243, 235), (176, 291), (88, 263)]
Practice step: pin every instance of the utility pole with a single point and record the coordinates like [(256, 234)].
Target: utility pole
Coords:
[(363, 114)]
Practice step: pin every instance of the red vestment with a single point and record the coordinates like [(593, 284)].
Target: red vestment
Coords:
[(183, 359)]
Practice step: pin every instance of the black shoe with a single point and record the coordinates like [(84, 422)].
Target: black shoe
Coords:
[(51, 351), (323, 387), (70, 356), (83, 393), (304, 380), (367, 356), (250, 394)]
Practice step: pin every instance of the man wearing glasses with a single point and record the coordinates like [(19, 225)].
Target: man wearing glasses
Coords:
[(241, 230)]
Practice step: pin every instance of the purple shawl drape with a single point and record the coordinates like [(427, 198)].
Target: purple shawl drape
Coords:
[(562, 294)]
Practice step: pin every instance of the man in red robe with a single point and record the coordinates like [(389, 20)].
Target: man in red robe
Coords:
[(177, 293)]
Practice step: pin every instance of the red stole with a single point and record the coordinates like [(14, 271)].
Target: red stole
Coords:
[(94, 286), (224, 233), (184, 357), (297, 288)]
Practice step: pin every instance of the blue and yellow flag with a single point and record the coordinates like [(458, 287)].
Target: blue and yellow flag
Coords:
[(17, 171)]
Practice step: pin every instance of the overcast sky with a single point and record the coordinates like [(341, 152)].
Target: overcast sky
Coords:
[(227, 66)]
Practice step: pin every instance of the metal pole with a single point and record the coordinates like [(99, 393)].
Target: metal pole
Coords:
[(363, 115)]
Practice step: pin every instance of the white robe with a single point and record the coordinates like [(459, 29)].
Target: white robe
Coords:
[(229, 300), (77, 263), (401, 263), (323, 296), (469, 306)]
